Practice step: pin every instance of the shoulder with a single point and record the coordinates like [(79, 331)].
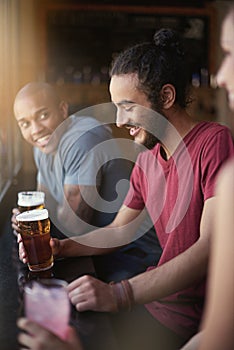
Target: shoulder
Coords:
[(211, 128), (86, 126), (220, 129), (37, 153), (210, 137), (228, 169), (225, 181), (81, 124), (84, 132)]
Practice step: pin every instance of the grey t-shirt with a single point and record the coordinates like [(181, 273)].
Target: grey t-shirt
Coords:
[(83, 152)]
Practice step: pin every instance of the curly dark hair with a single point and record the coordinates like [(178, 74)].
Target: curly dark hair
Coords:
[(157, 63)]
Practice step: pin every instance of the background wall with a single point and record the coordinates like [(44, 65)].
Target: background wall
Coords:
[(23, 58)]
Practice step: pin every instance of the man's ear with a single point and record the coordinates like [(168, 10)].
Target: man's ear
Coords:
[(168, 95), (64, 109)]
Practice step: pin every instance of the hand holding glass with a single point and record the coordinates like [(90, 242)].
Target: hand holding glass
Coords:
[(47, 303), (35, 232)]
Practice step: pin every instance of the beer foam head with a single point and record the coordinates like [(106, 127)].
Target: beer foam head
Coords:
[(33, 215), (30, 198)]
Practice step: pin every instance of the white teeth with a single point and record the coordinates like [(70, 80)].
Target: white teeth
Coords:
[(41, 139)]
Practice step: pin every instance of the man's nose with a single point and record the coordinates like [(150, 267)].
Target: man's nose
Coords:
[(121, 119), (35, 127)]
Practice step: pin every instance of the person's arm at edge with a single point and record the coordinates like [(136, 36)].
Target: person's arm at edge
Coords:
[(219, 316)]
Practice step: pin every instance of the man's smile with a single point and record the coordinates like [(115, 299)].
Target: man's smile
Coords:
[(42, 141)]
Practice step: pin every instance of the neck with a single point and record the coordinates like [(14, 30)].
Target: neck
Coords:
[(180, 124)]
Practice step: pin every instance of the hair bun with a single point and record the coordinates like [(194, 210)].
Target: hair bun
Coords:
[(169, 39)]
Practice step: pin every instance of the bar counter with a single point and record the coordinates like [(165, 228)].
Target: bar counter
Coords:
[(94, 328)]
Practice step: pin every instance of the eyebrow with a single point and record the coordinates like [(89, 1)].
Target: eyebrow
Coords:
[(39, 111), (124, 102), (20, 119)]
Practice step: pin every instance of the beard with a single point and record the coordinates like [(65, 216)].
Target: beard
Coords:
[(150, 140)]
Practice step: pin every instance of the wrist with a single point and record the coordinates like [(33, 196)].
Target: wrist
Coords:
[(123, 294), (65, 248)]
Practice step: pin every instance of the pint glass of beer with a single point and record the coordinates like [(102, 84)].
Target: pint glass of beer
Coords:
[(35, 233), (29, 200)]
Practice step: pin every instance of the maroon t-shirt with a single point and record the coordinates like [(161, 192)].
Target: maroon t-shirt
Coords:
[(174, 192)]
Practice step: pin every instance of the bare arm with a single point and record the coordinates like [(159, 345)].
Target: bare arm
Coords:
[(180, 272), (76, 211), (104, 240), (87, 293), (219, 316), (101, 241), (194, 342)]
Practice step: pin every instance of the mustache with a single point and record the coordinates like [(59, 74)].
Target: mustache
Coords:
[(129, 126)]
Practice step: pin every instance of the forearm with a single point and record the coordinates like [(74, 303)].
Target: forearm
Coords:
[(71, 247), (101, 241), (175, 275), (106, 239)]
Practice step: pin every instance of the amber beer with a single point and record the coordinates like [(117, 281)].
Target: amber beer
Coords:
[(29, 200), (35, 233)]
